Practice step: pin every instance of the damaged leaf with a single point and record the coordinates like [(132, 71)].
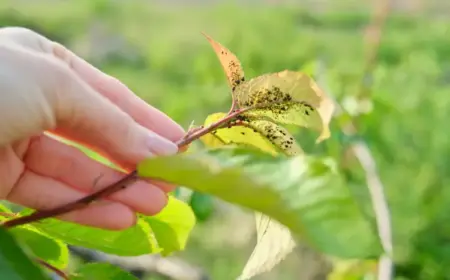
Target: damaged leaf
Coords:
[(230, 63), (262, 134), (287, 97)]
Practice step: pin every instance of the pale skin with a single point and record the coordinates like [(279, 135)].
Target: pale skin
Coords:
[(44, 87)]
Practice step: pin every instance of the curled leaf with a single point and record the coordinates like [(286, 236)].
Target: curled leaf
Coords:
[(262, 134), (230, 63), (274, 242), (287, 97)]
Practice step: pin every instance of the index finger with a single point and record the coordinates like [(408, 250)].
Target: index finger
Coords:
[(142, 112)]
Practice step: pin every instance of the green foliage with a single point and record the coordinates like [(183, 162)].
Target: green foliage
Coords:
[(172, 69), (172, 226), (202, 205), (14, 264), (163, 233), (265, 135), (304, 193), (42, 246), (38, 244), (96, 271)]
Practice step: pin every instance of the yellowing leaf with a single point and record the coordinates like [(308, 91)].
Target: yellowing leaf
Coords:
[(274, 242), (287, 97), (262, 134), (353, 269), (230, 63)]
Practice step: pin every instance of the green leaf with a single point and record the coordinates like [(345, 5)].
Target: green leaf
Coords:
[(262, 134), (202, 205), (287, 97), (100, 271), (172, 226), (42, 246), (14, 263), (163, 233), (303, 193), (274, 239), (112, 242)]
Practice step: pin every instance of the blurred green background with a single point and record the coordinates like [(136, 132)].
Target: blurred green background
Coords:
[(155, 47)]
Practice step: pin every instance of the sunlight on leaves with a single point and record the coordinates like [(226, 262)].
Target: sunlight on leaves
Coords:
[(42, 245), (274, 240), (14, 263), (111, 242), (38, 243), (303, 193), (172, 226), (262, 134), (163, 233), (287, 97)]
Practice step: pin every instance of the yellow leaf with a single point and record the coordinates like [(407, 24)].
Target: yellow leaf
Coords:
[(352, 269), (274, 243), (287, 97), (230, 63), (274, 240), (262, 134)]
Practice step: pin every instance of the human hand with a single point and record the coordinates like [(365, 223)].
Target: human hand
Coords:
[(45, 87)]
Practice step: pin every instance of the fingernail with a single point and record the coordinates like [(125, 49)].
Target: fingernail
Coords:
[(161, 146)]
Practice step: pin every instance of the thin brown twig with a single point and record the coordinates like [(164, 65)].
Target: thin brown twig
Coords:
[(9, 215), (119, 185), (54, 269)]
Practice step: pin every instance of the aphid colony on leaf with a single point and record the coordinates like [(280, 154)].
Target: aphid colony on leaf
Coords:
[(285, 97)]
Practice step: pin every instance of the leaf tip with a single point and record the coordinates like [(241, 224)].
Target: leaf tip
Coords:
[(206, 36)]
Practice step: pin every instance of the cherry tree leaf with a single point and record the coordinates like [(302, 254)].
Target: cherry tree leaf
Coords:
[(14, 262), (262, 134), (230, 63), (164, 233), (274, 239), (287, 97), (304, 193), (98, 271), (274, 243), (37, 243)]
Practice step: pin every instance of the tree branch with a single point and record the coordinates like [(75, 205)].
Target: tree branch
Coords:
[(119, 185)]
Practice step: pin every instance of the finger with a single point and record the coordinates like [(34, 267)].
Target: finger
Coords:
[(54, 96), (119, 94), (81, 113), (42, 193), (51, 158), (111, 88)]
